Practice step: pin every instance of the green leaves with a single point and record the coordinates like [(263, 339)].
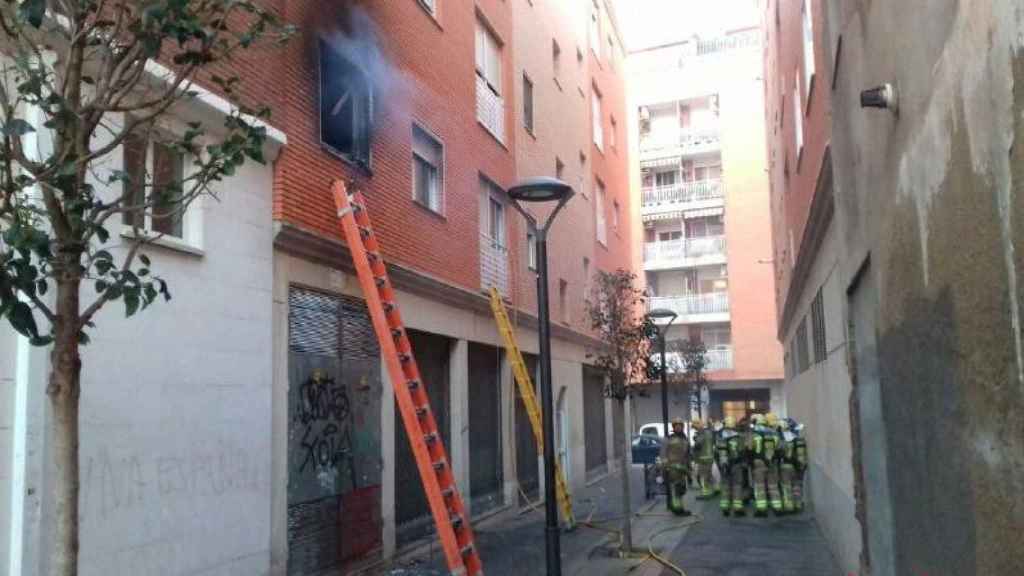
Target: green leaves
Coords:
[(32, 12), (17, 127)]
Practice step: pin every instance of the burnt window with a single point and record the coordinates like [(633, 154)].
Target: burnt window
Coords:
[(346, 106)]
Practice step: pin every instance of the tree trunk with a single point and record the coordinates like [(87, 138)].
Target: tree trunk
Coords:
[(627, 504), (64, 392)]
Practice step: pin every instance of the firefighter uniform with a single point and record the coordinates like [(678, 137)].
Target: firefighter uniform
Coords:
[(794, 465), (675, 457), (764, 465), (704, 453), (731, 457)]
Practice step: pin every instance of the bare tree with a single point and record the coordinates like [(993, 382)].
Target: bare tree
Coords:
[(615, 308), (80, 79)]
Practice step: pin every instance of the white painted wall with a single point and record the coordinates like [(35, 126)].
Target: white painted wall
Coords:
[(819, 398)]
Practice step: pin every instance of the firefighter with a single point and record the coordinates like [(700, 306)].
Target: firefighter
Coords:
[(773, 456), (794, 465), (763, 474), (730, 450), (704, 454), (675, 460)]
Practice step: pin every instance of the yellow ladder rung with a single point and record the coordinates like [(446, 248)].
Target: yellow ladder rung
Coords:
[(525, 384)]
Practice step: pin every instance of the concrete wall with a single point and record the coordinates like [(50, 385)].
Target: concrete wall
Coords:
[(932, 198), (820, 399)]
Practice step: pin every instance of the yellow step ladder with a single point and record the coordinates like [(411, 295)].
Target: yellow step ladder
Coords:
[(525, 384)]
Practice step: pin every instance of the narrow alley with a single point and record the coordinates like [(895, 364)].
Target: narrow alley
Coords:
[(511, 287)]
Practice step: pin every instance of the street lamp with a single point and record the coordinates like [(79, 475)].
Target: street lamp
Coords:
[(545, 190), (663, 314)]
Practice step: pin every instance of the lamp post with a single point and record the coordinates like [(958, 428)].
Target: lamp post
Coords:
[(655, 315), (545, 190)]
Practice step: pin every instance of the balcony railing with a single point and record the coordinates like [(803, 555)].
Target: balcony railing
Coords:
[(682, 193), (692, 304), (678, 252), (493, 265), (689, 140), (490, 109), (717, 359)]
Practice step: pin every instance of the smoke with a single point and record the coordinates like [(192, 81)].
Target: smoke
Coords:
[(355, 36)]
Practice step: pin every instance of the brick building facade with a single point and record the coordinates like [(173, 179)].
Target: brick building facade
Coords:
[(443, 107)]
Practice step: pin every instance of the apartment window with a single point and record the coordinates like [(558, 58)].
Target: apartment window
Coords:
[(595, 30), (155, 172), (427, 169), (527, 104), (559, 169), (556, 58), (665, 178), (583, 171), (818, 327), (563, 300), (346, 107), (488, 58), (670, 235), (615, 215), (611, 53), (430, 6), (803, 356), (490, 109), (531, 248), (586, 272), (602, 232), (492, 213), (598, 129), (808, 29), (613, 133), (798, 120)]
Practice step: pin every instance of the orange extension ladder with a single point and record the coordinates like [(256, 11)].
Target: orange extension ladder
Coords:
[(420, 426)]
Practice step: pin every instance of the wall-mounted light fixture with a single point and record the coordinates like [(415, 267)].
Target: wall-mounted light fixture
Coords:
[(884, 96)]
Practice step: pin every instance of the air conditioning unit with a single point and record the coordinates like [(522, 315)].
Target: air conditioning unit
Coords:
[(645, 113)]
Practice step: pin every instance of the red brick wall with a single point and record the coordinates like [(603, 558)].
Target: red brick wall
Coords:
[(563, 130), (433, 63), (792, 194)]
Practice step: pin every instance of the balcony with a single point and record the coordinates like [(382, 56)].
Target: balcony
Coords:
[(490, 109), (694, 308), (718, 360), (684, 253), (685, 142), (699, 194), (493, 265)]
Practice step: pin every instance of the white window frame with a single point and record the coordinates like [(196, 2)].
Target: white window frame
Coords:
[(430, 6), (531, 249), (808, 45), (798, 120), (598, 120), (494, 198), (599, 199), (531, 101), (191, 239), (488, 57), (438, 190)]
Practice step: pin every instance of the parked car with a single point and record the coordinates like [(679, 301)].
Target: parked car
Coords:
[(645, 448), (656, 429)]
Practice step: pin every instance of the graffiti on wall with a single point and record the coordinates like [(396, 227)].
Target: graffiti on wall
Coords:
[(334, 457)]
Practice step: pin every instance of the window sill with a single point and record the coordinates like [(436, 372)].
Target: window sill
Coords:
[(530, 132), (360, 165), (492, 134), (810, 94), (169, 242), (429, 210), (558, 83)]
